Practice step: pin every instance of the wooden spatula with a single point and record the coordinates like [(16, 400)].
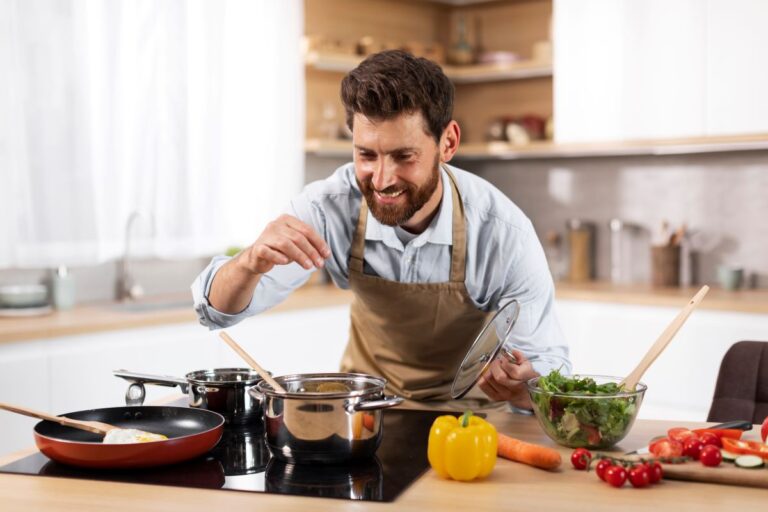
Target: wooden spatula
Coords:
[(248, 359), (96, 427), (631, 380)]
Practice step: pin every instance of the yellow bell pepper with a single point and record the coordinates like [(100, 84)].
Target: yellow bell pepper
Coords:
[(462, 448)]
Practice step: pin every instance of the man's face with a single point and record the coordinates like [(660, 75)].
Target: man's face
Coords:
[(396, 165)]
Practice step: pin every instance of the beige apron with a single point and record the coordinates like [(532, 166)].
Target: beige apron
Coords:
[(415, 335)]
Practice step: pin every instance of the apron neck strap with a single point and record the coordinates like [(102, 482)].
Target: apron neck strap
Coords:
[(458, 244), (358, 241)]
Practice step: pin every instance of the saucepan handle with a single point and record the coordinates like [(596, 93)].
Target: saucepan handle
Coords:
[(158, 380), (387, 401)]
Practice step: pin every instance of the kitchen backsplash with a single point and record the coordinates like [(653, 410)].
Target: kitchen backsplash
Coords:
[(723, 199)]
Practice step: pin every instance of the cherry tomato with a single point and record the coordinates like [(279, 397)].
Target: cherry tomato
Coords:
[(655, 472), (601, 467), (666, 448), (692, 447), (710, 455), (580, 458), (616, 475), (639, 476), (709, 438), (680, 434)]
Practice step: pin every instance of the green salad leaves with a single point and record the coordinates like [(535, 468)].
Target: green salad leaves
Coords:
[(584, 419)]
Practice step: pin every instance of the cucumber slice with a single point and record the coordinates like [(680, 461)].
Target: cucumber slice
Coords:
[(749, 461), (728, 456)]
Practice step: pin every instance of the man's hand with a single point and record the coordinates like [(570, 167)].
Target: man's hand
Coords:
[(505, 381), (285, 240)]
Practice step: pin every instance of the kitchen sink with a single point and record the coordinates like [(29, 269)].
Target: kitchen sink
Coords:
[(149, 306)]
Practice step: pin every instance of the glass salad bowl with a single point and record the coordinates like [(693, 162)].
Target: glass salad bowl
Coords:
[(589, 411)]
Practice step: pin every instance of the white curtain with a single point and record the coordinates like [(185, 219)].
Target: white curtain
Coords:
[(189, 112)]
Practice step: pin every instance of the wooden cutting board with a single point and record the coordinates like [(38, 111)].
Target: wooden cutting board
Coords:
[(726, 473)]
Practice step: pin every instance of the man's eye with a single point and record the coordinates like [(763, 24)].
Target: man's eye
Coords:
[(404, 157), (368, 156)]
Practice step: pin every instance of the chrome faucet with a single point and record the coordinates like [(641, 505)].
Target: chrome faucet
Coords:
[(125, 286)]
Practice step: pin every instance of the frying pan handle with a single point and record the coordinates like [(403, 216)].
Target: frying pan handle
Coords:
[(158, 380), (387, 401)]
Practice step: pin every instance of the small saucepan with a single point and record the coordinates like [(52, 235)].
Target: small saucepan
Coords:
[(221, 390)]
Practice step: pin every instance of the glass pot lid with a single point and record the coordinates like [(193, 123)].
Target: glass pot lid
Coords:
[(485, 348)]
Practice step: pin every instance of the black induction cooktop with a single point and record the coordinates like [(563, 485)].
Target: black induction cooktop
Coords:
[(241, 462)]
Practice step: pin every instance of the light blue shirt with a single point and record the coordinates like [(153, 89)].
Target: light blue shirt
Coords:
[(504, 259)]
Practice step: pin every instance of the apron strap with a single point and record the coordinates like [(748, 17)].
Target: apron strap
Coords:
[(459, 236), (458, 244), (358, 241)]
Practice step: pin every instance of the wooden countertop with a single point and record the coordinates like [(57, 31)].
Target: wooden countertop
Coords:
[(511, 486), (741, 301), (108, 316)]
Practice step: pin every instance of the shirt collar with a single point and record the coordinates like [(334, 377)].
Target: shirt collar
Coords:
[(439, 231)]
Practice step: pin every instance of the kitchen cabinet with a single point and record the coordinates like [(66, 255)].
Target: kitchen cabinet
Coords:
[(610, 339), (71, 373), (655, 69)]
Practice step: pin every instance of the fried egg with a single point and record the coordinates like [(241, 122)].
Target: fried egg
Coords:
[(131, 435)]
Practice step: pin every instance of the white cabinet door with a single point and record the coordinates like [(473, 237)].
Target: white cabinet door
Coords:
[(23, 381), (610, 339), (737, 74), (658, 69), (629, 70)]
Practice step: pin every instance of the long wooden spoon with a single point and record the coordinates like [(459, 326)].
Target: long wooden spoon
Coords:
[(631, 380), (248, 359), (96, 427)]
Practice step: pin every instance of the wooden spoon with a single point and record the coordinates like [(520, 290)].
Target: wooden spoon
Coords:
[(96, 427), (631, 380), (248, 359)]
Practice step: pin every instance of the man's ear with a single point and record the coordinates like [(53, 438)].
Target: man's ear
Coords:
[(449, 141)]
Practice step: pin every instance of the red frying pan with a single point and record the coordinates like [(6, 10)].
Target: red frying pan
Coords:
[(190, 432)]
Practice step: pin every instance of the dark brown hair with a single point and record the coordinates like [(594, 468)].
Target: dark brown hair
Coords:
[(394, 82)]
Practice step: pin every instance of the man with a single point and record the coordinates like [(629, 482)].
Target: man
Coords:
[(429, 250)]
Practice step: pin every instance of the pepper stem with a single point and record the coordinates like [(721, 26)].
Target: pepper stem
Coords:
[(465, 418)]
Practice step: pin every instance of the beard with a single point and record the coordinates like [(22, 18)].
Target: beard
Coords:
[(415, 198)]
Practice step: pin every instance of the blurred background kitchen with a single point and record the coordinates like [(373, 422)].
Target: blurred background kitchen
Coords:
[(139, 138)]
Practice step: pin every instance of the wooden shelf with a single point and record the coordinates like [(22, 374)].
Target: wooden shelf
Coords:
[(658, 147), (542, 150), (479, 73)]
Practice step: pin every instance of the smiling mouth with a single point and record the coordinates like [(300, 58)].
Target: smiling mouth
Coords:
[(390, 195)]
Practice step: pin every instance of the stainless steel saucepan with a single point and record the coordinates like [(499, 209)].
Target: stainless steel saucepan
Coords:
[(222, 390), (324, 417)]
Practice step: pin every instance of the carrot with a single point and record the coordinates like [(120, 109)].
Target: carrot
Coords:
[(528, 453)]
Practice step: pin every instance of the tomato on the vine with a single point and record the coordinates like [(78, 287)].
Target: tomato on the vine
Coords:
[(601, 467), (580, 458), (639, 476), (711, 455), (655, 471), (692, 447), (616, 475)]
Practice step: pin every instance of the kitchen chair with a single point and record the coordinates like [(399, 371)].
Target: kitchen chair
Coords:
[(741, 392)]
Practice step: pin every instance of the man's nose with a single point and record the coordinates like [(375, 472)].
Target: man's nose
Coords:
[(383, 175)]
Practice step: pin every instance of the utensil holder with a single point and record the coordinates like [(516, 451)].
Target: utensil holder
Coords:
[(665, 265)]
